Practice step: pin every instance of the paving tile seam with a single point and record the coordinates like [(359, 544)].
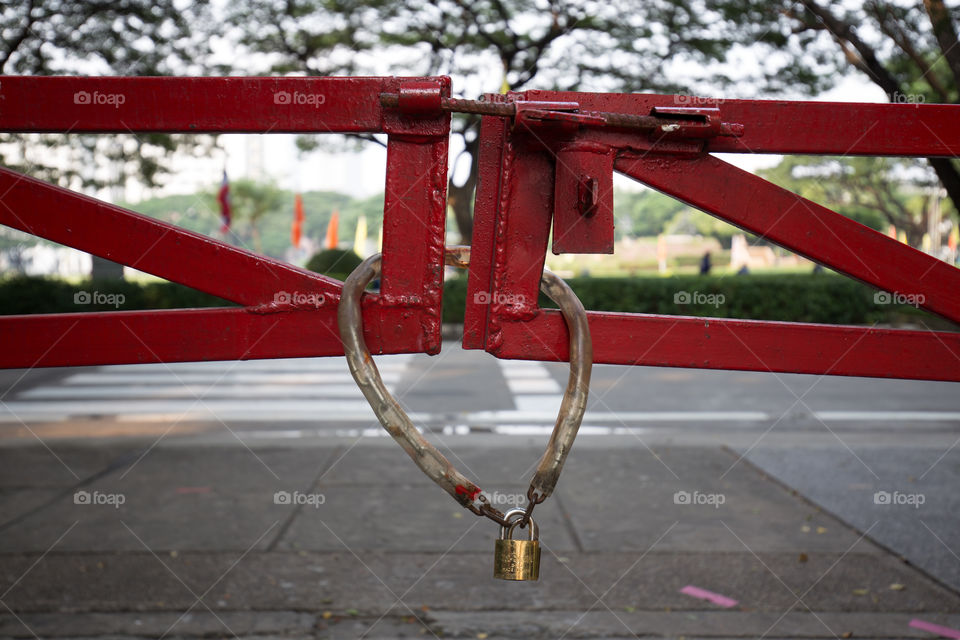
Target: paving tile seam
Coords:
[(335, 456), (111, 467)]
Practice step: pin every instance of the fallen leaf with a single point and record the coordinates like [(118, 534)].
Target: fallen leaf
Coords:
[(481, 636), (802, 557), (896, 586), (846, 634), (805, 528), (327, 615), (629, 609), (821, 529), (457, 514), (352, 612), (861, 592)]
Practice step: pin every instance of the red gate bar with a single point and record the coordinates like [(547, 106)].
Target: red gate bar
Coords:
[(514, 211), (751, 203), (793, 127), (514, 208), (745, 345), (271, 323), (62, 104)]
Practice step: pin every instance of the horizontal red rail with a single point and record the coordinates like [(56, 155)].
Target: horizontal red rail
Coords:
[(784, 126), (201, 105), (747, 345), (184, 335)]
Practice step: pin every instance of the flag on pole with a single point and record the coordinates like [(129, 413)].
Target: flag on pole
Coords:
[(297, 229), (954, 239), (360, 237), (332, 229), (223, 197)]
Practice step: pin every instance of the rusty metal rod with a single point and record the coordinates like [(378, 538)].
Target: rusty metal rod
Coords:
[(609, 119), (574, 401), (402, 429)]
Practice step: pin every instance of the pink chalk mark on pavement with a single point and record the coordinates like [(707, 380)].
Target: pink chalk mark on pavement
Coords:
[(945, 632), (709, 596)]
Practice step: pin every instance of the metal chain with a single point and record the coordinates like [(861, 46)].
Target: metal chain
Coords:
[(424, 454)]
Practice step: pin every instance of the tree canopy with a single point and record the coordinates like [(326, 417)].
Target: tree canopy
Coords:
[(83, 37), (737, 48)]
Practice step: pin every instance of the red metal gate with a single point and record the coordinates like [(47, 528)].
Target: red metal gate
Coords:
[(546, 160)]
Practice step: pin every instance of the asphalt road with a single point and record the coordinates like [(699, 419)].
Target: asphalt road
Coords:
[(463, 392)]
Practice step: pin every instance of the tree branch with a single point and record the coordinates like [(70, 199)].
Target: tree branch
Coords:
[(946, 34), (15, 42), (893, 30), (843, 32)]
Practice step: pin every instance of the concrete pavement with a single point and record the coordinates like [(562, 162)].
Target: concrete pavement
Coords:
[(200, 541)]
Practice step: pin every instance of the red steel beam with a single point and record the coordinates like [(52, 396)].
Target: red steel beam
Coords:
[(202, 105), (804, 227), (783, 126), (152, 246), (745, 345), (185, 335)]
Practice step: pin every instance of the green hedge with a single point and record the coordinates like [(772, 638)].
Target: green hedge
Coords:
[(824, 297), (26, 294), (336, 263)]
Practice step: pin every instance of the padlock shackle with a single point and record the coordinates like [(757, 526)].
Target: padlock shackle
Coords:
[(425, 455)]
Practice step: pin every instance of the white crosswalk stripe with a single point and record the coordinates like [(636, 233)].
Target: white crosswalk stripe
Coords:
[(533, 388), (320, 395), (256, 390)]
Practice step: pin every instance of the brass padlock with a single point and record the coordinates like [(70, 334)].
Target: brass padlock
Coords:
[(517, 559)]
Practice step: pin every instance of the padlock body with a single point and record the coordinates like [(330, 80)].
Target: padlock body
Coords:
[(517, 560)]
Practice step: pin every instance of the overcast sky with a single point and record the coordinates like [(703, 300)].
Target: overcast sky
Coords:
[(362, 174), (274, 156)]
